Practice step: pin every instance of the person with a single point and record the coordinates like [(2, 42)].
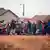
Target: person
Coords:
[(12, 27), (48, 28), (1, 28), (33, 28), (29, 27), (44, 25), (25, 28), (18, 28), (8, 29), (22, 26), (39, 27)]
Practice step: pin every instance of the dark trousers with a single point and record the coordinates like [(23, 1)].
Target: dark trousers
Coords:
[(47, 30), (18, 32)]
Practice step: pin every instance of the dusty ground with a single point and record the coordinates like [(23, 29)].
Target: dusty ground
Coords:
[(24, 43)]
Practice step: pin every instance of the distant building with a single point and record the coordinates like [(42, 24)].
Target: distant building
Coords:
[(47, 18), (42, 17), (7, 15)]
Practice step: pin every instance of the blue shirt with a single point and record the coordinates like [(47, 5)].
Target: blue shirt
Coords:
[(48, 23)]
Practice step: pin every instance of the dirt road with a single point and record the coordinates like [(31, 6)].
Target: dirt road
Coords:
[(25, 42)]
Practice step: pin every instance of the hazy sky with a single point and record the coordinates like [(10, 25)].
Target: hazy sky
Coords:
[(32, 7)]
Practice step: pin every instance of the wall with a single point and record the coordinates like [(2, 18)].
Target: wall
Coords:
[(8, 16)]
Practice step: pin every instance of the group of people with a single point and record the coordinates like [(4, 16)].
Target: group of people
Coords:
[(22, 28)]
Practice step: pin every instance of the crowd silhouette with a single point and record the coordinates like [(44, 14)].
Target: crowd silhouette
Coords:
[(22, 28)]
